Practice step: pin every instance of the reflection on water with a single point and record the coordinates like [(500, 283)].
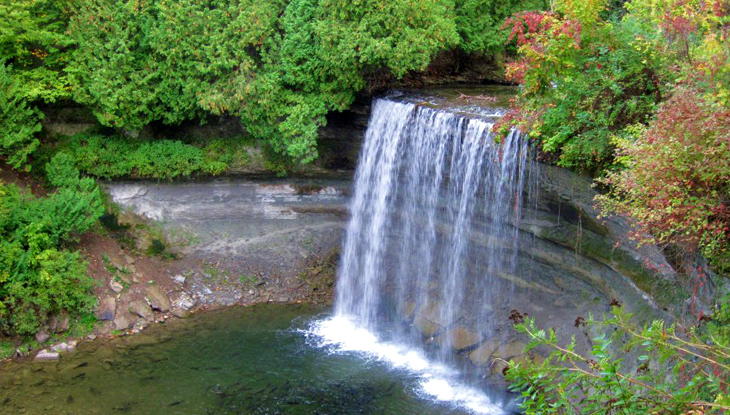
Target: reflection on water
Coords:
[(235, 361)]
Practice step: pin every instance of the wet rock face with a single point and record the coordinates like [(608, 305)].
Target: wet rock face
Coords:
[(570, 264)]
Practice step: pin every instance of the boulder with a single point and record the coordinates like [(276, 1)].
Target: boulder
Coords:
[(180, 312), (116, 286), (59, 348), (59, 323), (481, 355), (107, 309), (184, 302), (429, 320), (459, 338), (409, 309), (42, 336), (141, 309), (122, 322), (508, 350), (45, 355), (158, 299)]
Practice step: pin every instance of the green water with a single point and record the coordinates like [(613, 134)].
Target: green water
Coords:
[(234, 361)]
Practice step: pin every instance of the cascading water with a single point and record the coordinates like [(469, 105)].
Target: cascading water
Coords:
[(432, 235)]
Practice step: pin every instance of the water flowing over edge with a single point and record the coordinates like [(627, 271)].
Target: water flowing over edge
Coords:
[(430, 178)]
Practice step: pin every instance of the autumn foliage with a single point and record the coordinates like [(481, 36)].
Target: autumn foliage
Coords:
[(676, 183)]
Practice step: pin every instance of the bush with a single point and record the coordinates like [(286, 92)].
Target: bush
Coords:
[(166, 159), (110, 157), (61, 171), (39, 277), (586, 80), (674, 371), (676, 178), (19, 122), (279, 65)]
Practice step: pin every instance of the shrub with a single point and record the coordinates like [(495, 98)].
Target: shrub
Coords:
[(631, 369), (110, 157), (166, 159), (586, 80), (61, 171), (19, 122), (39, 277), (676, 178)]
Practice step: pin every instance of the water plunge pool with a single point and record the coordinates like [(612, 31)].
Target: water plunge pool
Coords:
[(266, 359)]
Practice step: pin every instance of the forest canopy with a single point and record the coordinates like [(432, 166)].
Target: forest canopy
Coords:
[(279, 65)]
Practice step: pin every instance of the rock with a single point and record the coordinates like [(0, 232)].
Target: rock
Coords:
[(428, 319), (185, 302), (179, 279), (91, 337), (481, 355), (508, 350), (459, 338), (72, 345), (158, 299), (560, 302), (59, 348), (121, 322), (107, 309), (141, 309), (116, 286), (536, 358), (45, 355), (498, 368), (409, 309), (59, 324), (128, 259), (180, 313), (42, 336), (492, 350)]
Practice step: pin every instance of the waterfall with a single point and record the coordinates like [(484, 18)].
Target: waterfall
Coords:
[(432, 235), (428, 183)]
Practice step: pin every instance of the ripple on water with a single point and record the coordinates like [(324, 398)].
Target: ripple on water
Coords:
[(235, 361)]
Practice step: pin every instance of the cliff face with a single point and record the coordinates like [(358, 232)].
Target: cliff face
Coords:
[(570, 263)]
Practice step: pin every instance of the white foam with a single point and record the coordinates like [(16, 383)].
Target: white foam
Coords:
[(437, 382)]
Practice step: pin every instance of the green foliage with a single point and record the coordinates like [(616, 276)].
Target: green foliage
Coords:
[(279, 65), (479, 22), (586, 80), (19, 122), (108, 157), (630, 370), (39, 277), (61, 171), (33, 39)]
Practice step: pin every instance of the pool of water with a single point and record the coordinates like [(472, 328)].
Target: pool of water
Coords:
[(267, 359)]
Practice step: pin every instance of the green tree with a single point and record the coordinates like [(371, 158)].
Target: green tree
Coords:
[(33, 39), (19, 122)]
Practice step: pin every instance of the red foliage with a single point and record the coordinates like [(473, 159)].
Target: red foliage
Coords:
[(678, 183)]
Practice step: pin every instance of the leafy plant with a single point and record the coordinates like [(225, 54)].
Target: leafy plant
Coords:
[(39, 277), (676, 178), (586, 80), (19, 121), (674, 371)]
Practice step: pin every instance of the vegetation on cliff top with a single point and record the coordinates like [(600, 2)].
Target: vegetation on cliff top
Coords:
[(278, 65), (636, 93)]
